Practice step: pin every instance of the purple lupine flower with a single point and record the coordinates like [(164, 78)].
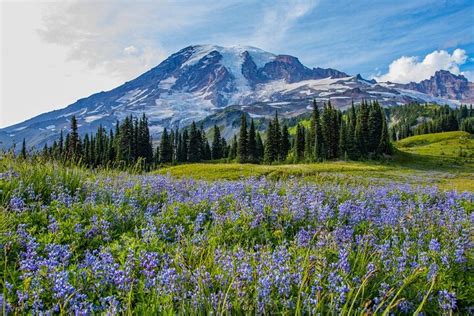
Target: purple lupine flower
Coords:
[(17, 204), (434, 245), (53, 225), (447, 300)]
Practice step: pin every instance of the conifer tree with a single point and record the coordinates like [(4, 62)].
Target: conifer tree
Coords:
[(326, 130), (225, 148), (259, 147), (124, 140), (269, 150), (233, 148), (362, 130), (166, 153), (217, 148), (74, 147), (343, 139), (87, 150), (277, 137), (384, 146), (61, 145), (318, 137), (242, 148), (285, 142), (207, 151), (23, 149), (252, 143), (374, 127), (299, 143), (195, 144), (185, 145)]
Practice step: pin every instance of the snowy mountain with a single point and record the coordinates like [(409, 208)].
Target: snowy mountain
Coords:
[(199, 81)]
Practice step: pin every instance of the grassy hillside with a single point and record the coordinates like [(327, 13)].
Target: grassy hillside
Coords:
[(425, 160), (448, 144)]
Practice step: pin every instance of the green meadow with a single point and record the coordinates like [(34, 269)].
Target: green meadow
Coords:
[(442, 159)]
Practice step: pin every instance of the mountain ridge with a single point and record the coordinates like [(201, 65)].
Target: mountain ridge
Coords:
[(200, 80)]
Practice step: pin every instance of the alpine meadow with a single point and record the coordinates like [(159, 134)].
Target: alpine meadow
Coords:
[(224, 179)]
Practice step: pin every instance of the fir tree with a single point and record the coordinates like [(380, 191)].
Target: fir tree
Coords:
[(233, 148), (362, 129), (195, 144), (259, 147), (384, 146), (343, 139), (318, 137), (166, 151), (299, 143), (23, 150), (242, 148), (74, 148), (217, 144), (252, 143), (269, 150), (277, 138), (285, 142)]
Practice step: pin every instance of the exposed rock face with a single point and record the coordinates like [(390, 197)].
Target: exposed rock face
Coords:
[(202, 80), (445, 85)]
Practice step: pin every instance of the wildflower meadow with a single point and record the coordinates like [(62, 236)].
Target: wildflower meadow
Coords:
[(76, 242)]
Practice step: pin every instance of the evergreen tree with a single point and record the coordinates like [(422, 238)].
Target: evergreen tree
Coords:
[(233, 148), (166, 151), (87, 150), (61, 145), (144, 147), (343, 139), (252, 143), (195, 144), (374, 127), (318, 137), (362, 129), (74, 148), (23, 149), (285, 142), (217, 149), (277, 138), (225, 148), (299, 143), (242, 148), (384, 145), (351, 142), (269, 148), (185, 146), (207, 151), (326, 131), (259, 147)]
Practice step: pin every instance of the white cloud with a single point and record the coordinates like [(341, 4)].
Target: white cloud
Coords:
[(130, 50), (469, 75), (278, 19), (406, 69)]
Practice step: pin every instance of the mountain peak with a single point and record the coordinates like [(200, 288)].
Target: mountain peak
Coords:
[(447, 74), (201, 80), (444, 84)]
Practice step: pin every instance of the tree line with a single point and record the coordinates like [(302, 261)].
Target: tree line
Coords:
[(417, 119), (358, 133)]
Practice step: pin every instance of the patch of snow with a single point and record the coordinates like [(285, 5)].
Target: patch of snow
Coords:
[(167, 83), (50, 127), (131, 95), (20, 128), (93, 118), (428, 98)]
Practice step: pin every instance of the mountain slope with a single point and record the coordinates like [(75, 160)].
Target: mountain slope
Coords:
[(445, 85), (201, 80)]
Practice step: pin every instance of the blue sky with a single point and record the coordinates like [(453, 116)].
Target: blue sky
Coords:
[(62, 51)]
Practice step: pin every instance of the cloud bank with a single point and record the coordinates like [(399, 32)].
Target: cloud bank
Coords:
[(409, 68)]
